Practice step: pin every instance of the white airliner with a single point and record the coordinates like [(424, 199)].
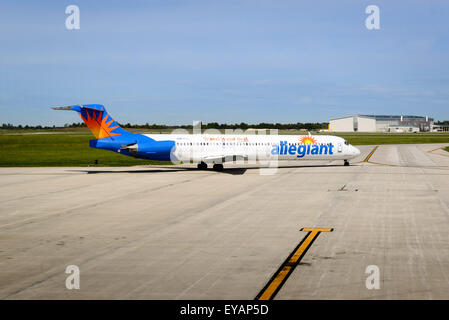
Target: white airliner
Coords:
[(205, 149)]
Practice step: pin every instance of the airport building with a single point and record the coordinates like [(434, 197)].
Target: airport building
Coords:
[(381, 123), (440, 128)]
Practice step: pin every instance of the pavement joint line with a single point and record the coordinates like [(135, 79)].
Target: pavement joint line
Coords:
[(288, 266), (405, 166), (32, 219)]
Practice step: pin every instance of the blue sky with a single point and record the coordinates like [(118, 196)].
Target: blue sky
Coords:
[(224, 61)]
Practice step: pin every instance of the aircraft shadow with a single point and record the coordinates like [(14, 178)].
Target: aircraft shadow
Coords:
[(232, 171), (128, 171)]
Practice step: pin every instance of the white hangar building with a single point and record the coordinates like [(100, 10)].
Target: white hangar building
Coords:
[(380, 123), (352, 124)]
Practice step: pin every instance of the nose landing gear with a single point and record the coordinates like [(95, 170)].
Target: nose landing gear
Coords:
[(346, 163)]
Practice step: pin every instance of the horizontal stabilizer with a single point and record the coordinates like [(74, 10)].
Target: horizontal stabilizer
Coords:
[(63, 108)]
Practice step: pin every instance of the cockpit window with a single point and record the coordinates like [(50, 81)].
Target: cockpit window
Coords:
[(346, 143)]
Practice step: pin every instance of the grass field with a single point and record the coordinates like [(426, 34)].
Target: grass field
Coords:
[(64, 147), (394, 138), (58, 150), (447, 149)]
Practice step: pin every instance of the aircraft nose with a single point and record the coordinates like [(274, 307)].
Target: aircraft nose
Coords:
[(356, 151)]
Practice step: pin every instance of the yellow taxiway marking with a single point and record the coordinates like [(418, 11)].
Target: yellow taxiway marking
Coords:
[(438, 154), (370, 154), (274, 285)]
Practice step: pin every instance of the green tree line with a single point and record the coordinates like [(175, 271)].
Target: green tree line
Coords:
[(210, 125)]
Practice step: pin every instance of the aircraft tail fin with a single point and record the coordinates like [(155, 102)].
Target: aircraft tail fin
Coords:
[(97, 120)]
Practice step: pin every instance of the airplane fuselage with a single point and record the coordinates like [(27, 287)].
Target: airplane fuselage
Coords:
[(201, 147)]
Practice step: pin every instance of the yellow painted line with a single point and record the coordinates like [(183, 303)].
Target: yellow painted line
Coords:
[(278, 279), (370, 154), (438, 154), (430, 151)]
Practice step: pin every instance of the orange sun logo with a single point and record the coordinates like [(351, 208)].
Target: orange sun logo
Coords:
[(308, 139), (99, 127)]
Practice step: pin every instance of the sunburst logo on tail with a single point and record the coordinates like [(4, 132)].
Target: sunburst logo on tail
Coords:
[(308, 139), (99, 126)]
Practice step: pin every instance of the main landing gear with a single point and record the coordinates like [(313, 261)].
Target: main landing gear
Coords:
[(202, 166), (216, 167), (346, 163)]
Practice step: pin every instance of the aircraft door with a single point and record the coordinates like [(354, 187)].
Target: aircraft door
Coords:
[(340, 148)]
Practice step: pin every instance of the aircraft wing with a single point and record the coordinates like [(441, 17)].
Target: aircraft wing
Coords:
[(225, 158)]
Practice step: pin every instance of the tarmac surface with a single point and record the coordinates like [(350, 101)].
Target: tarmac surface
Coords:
[(175, 232)]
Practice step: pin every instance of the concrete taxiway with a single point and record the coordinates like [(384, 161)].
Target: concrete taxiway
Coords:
[(174, 232)]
